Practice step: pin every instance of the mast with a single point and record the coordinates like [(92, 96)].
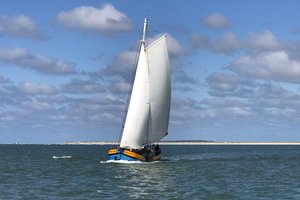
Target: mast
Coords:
[(144, 31), (148, 110), (138, 86)]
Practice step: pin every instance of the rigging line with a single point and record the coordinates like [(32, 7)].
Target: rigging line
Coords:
[(149, 124)]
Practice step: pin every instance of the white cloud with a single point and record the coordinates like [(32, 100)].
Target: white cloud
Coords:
[(216, 20), (227, 44), (83, 86), (274, 65), (185, 109), (10, 94), (199, 40), (37, 89), (228, 108), (174, 47), (37, 105), (123, 65), (270, 92), (11, 55), (21, 57), (118, 87), (224, 82), (255, 101), (23, 107), (107, 20), (264, 41), (19, 25), (266, 101), (7, 118), (183, 77)]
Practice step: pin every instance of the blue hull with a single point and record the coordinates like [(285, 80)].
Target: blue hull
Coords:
[(133, 155), (121, 156)]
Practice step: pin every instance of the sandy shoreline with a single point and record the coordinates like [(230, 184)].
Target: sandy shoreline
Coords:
[(190, 143)]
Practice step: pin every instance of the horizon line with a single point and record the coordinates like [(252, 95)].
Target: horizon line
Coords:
[(184, 142)]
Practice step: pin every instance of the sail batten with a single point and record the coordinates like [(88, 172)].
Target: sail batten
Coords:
[(149, 107)]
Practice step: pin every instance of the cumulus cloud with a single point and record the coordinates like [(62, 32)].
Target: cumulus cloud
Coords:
[(174, 47), (264, 41), (258, 89), (261, 100), (185, 109), (216, 20), (122, 65), (242, 95), (227, 44), (224, 82), (87, 111), (23, 58), (198, 40), (274, 65), (37, 105), (183, 77), (4, 80), (78, 86), (22, 107), (232, 86), (37, 89), (227, 107), (106, 20), (19, 25), (269, 91), (10, 94), (118, 87)]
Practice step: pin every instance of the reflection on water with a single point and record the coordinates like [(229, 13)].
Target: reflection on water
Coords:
[(210, 172), (143, 180)]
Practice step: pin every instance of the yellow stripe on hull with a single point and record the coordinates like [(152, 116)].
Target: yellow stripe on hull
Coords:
[(133, 155), (112, 151), (128, 153)]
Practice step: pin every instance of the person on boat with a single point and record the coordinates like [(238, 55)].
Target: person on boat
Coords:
[(147, 151), (156, 147)]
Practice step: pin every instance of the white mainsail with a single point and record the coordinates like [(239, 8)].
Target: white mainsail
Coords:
[(149, 107), (160, 88)]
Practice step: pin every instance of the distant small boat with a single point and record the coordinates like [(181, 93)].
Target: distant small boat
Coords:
[(147, 116)]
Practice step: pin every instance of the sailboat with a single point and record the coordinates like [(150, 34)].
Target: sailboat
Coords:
[(147, 116)]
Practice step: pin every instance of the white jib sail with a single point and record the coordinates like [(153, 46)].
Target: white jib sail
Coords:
[(148, 112), (136, 124)]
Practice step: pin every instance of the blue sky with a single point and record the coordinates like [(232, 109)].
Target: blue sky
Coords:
[(65, 68)]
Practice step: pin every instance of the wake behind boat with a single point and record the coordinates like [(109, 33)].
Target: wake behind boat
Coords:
[(147, 116)]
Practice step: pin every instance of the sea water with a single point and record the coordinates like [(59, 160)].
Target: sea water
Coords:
[(185, 172)]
